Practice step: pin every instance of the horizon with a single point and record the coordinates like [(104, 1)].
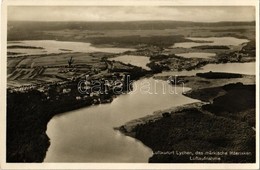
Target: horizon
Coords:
[(205, 14)]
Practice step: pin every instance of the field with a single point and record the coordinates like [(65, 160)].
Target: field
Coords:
[(50, 68)]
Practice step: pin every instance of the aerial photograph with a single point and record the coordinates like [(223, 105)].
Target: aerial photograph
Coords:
[(131, 84)]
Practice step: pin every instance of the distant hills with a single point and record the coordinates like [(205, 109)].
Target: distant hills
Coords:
[(129, 25)]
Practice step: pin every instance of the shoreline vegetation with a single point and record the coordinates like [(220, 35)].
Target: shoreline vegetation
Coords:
[(47, 86), (23, 47), (218, 123), (26, 129)]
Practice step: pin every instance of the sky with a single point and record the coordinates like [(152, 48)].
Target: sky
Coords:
[(130, 13)]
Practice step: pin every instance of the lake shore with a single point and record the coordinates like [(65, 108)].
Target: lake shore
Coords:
[(26, 126), (211, 125)]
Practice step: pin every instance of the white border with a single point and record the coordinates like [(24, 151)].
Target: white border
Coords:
[(132, 2), (3, 74)]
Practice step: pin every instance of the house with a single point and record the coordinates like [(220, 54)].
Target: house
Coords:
[(65, 91)]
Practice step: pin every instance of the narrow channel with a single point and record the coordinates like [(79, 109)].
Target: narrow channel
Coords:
[(87, 135)]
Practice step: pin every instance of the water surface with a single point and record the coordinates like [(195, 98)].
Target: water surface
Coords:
[(196, 55), (225, 41), (240, 68), (87, 135), (139, 61), (53, 46)]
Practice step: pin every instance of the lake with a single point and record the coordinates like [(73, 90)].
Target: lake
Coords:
[(196, 55), (139, 61), (240, 68), (87, 135), (53, 46), (225, 41)]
